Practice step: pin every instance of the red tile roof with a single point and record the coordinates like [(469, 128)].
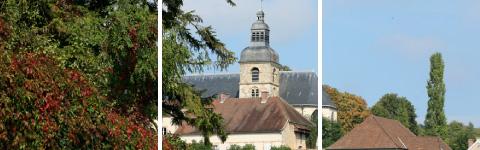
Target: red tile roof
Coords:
[(249, 115), (382, 133)]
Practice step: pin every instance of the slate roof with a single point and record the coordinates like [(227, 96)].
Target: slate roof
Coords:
[(297, 88), (326, 100), (382, 133), (249, 115)]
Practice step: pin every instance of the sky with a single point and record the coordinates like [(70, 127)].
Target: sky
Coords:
[(293, 28), (374, 47)]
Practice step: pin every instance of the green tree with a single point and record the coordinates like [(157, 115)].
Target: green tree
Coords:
[(110, 44), (398, 108), (285, 68), (351, 109), (245, 147), (458, 135), (435, 121), (312, 137), (186, 51), (331, 132), (198, 146), (283, 147)]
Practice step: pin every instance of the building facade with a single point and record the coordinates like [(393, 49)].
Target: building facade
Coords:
[(261, 105)]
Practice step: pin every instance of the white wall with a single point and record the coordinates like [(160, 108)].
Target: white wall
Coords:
[(167, 123), (306, 111), (329, 113), (259, 140)]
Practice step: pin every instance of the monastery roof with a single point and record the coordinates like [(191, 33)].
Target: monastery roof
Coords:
[(382, 133), (249, 115), (326, 100), (297, 88)]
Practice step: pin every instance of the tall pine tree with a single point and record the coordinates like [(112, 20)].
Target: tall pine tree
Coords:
[(435, 121)]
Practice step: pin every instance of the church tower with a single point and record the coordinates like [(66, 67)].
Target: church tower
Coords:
[(259, 65)]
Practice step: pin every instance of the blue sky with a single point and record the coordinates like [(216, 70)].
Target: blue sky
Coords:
[(293, 28), (374, 47)]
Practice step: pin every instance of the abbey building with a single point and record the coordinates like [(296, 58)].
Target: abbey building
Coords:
[(261, 105)]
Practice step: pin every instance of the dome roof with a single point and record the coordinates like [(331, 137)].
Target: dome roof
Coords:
[(259, 25), (259, 54)]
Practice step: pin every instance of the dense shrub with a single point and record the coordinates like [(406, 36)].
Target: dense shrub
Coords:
[(47, 107), (245, 147), (280, 148)]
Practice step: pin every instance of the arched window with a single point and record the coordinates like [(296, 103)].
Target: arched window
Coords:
[(255, 74), (255, 92), (273, 75)]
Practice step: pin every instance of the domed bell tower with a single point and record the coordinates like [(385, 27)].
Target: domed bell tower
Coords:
[(259, 65)]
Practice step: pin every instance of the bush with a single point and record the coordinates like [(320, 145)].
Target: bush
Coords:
[(283, 147), (47, 107), (198, 146), (245, 147)]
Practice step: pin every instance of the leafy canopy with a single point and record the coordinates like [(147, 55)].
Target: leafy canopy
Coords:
[(398, 108)]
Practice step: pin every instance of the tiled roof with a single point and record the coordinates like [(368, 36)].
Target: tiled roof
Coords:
[(381, 133), (249, 115), (326, 100), (297, 88)]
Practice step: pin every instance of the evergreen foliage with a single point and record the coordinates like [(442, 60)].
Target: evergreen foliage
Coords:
[(189, 51)]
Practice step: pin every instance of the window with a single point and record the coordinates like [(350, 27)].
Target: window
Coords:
[(164, 131), (255, 92), (267, 38), (255, 74), (273, 75), (261, 36)]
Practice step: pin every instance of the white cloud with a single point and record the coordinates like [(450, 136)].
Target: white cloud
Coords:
[(296, 17)]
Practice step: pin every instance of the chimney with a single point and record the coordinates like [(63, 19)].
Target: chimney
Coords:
[(470, 142), (223, 97), (264, 97)]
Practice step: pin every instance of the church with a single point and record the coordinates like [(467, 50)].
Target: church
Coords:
[(262, 105)]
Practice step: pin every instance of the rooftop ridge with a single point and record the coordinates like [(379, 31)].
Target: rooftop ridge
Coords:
[(207, 74), (384, 130), (299, 71)]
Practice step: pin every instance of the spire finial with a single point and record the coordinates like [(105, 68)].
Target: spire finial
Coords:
[(261, 4)]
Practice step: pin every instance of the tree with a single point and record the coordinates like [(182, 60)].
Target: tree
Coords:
[(285, 68), (45, 106), (331, 132), (110, 44), (312, 137), (435, 121), (184, 53), (398, 108), (458, 135), (351, 109)]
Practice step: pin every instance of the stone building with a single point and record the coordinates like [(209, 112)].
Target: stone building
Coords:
[(261, 105), (329, 109)]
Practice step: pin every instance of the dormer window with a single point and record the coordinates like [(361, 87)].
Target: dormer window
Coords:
[(255, 74)]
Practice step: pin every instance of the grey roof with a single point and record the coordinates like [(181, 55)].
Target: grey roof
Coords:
[(297, 88), (260, 25), (326, 100), (259, 54)]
